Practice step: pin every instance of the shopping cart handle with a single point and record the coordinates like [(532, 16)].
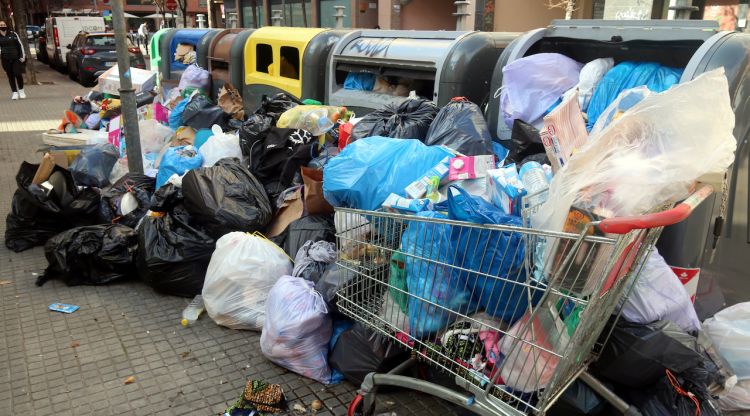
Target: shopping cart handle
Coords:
[(623, 225)]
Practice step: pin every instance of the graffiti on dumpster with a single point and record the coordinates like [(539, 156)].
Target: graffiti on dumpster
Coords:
[(370, 47)]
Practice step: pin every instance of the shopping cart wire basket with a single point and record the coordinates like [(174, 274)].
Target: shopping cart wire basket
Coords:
[(514, 314)]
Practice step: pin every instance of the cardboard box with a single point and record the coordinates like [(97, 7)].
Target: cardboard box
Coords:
[(109, 81)]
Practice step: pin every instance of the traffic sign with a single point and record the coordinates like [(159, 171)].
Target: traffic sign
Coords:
[(171, 5)]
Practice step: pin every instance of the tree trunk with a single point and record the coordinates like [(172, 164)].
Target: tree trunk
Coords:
[(304, 14), (569, 8), (19, 14), (254, 5), (183, 8)]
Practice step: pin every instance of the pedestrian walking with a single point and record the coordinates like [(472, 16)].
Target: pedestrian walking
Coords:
[(13, 58), (143, 35)]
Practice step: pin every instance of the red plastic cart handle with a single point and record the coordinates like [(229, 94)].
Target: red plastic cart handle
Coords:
[(624, 225)]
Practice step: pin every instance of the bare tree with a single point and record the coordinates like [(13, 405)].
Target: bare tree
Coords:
[(304, 13), (182, 5), (254, 5), (161, 9), (568, 5), (19, 16)]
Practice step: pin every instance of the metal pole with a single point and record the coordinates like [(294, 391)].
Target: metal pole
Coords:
[(682, 9), (127, 93)]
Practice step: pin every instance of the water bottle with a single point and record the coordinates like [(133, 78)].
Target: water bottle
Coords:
[(535, 181), (192, 311)]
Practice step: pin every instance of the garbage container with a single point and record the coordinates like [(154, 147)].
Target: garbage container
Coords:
[(698, 47), (200, 39), (437, 65), (225, 61), (154, 51), (288, 59)]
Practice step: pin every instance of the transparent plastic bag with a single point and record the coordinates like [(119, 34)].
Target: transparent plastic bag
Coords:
[(195, 76), (298, 329), (219, 146), (242, 270), (590, 75), (154, 135), (661, 144), (529, 368), (316, 119), (730, 332)]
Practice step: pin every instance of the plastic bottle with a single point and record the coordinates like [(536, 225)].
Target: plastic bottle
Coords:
[(535, 181), (192, 311)]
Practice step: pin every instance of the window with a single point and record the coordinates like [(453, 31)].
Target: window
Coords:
[(327, 10), (289, 62), (100, 41), (263, 57), (296, 13), (252, 13)]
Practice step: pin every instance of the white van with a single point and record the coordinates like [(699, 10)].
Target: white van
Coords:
[(61, 30)]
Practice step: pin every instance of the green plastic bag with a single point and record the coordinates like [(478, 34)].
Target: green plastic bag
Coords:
[(397, 280)]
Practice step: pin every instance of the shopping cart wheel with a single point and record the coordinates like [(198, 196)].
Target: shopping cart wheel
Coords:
[(357, 407)]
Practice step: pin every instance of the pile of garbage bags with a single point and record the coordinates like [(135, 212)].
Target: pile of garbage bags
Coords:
[(246, 209)]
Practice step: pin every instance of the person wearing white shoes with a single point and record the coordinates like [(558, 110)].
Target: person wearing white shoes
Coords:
[(13, 58)]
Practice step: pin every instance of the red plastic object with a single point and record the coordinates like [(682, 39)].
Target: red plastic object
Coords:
[(624, 225), (345, 133)]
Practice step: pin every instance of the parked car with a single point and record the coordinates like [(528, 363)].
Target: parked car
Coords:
[(61, 30), (32, 31), (91, 54), (41, 47)]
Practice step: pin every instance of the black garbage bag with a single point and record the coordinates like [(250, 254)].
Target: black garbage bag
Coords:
[(166, 198), (650, 349), (94, 164), (525, 141), (460, 126), (90, 255), (334, 278), (225, 198), (252, 134), (313, 259), (275, 106), (82, 109), (200, 113), (360, 351), (663, 399), (136, 186), (282, 153), (409, 120), (311, 228), (578, 400), (36, 215), (26, 226), (173, 256)]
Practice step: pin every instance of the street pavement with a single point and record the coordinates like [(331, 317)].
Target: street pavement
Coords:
[(57, 364)]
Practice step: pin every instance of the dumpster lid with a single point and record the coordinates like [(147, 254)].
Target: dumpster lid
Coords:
[(373, 46), (656, 30)]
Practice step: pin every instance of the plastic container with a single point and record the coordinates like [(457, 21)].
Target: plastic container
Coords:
[(193, 311), (535, 181)]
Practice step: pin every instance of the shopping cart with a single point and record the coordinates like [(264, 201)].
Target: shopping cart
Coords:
[(513, 314)]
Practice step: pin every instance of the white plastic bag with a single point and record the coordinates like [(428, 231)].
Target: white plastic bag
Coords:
[(219, 146), (533, 83), (297, 329), (590, 75), (154, 135), (242, 270), (658, 294), (662, 144), (730, 332)]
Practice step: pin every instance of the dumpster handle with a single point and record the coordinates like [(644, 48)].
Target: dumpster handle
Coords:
[(624, 225)]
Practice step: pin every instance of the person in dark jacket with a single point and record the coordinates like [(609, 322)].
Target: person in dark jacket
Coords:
[(13, 58)]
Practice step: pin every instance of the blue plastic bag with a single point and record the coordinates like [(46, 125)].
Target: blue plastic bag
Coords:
[(626, 75), (489, 252), (175, 116), (177, 160), (361, 81), (368, 170), (429, 280)]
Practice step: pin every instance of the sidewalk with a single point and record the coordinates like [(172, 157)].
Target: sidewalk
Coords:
[(57, 364)]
